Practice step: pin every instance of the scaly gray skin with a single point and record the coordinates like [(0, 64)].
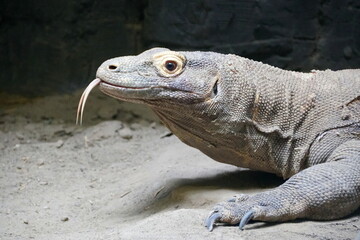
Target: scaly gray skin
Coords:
[(301, 126)]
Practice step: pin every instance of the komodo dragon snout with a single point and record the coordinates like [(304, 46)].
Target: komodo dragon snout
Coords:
[(304, 127)]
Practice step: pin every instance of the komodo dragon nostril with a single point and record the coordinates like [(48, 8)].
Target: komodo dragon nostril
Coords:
[(113, 67)]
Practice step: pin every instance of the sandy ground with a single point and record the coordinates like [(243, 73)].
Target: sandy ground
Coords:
[(120, 176)]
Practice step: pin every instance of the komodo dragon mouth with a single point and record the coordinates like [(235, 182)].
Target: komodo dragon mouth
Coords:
[(89, 88), (98, 81), (84, 96)]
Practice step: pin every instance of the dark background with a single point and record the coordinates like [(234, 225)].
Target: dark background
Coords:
[(56, 46)]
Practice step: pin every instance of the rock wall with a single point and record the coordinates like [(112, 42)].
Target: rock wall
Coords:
[(56, 46)]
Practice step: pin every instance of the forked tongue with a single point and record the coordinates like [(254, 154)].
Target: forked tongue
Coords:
[(84, 96)]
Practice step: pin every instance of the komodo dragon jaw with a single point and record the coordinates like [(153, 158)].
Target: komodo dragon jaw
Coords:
[(304, 127)]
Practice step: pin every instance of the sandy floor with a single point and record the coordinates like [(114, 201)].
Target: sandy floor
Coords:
[(120, 177)]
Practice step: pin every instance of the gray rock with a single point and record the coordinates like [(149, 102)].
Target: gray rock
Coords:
[(57, 47)]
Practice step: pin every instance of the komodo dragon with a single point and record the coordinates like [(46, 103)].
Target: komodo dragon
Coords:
[(304, 127)]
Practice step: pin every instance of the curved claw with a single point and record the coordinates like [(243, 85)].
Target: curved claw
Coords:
[(209, 222), (246, 218)]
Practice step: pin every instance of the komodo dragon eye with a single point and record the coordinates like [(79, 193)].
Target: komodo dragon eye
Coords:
[(170, 65)]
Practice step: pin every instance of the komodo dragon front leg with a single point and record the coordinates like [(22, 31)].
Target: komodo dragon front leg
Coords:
[(325, 191), (304, 127)]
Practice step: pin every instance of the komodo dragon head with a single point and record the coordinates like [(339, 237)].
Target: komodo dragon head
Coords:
[(185, 89), (160, 77), (191, 92)]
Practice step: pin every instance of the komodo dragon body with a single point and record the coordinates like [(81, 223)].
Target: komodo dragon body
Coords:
[(304, 127)]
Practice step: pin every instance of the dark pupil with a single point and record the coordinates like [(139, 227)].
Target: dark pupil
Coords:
[(170, 65)]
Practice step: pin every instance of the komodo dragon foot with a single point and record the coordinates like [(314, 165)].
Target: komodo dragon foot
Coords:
[(270, 206), (323, 192), (242, 208)]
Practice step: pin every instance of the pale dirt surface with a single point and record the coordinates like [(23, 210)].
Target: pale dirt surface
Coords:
[(120, 177)]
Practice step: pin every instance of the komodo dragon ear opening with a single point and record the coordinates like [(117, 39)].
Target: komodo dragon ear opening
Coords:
[(214, 91), (169, 63)]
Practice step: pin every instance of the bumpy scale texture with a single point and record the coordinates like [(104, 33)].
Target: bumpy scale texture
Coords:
[(304, 127)]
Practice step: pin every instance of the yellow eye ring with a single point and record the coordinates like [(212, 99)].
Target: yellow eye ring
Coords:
[(169, 63)]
